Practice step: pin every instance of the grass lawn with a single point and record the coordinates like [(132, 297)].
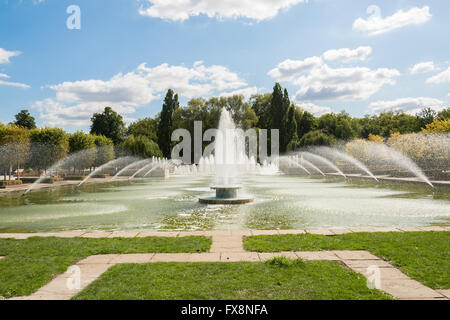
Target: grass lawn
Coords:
[(288, 280), (30, 264), (424, 256)]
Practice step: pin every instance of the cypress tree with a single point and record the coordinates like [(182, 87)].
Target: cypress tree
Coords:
[(165, 124)]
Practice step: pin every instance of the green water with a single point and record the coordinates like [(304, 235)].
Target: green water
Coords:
[(281, 202)]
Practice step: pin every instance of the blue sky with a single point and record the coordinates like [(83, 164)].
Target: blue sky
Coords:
[(331, 55)]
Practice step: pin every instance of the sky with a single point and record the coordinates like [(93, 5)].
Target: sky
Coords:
[(65, 60)]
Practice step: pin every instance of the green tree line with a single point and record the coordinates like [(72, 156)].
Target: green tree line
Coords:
[(22, 144)]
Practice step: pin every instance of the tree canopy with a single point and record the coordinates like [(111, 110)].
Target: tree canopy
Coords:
[(109, 124)]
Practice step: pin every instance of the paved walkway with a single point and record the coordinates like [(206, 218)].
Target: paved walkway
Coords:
[(133, 234), (227, 247)]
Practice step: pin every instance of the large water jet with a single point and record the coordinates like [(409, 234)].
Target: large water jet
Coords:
[(229, 156)]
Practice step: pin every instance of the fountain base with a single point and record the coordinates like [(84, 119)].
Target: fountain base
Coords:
[(226, 195)]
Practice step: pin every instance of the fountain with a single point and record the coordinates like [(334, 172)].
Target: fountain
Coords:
[(230, 159)]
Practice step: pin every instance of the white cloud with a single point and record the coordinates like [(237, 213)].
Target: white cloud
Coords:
[(326, 83), (75, 102), (316, 110), (347, 55), (408, 105), (246, 92), (14, 84), (422, 67), (442, 77), (57, 114), (4, 58), (289, 70), (180, 10), (376, 24), (6, 55)]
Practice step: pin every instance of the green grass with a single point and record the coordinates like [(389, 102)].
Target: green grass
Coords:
[(424, 256), (30, 264), (273, 280)]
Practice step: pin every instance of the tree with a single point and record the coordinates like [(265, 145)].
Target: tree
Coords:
[(25, 120), (261, 106), (14, 148), (109, 124), (141, 146), (82, 147), (278, 108), (444, 114), (291, 129), (48, 146), (165, 124), (306, 122), (438, 126), (425, 117), (105, 150), (146, 127), (338, 125), (316, 138)]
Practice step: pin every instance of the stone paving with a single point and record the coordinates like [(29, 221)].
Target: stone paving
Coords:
[(227, 246), (216, 234)]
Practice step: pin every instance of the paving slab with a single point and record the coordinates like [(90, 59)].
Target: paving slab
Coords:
[(359, 230), (59, 234), (241, 233), (96, 235), (291, 231), (264, 232), (367, 263), (341, 231), (132, 258), (322, 232), (204, 257), (45, 297), (239, 257), (218, 233), (171, 257), (355, 255), (120, 234), (410, 229), (433, 229), (408, 289), (385, 273), (445, 293), (379, 229), (99, 259), (192, 233), (319, 255)]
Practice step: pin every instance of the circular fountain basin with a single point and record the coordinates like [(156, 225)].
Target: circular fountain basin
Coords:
[(226, 195)]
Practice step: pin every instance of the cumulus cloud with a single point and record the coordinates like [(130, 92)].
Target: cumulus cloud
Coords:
[(422, 67), (442, 77), (246, 92), (316, 110), (327, 83), (75, 102), (180, 10), (408, 105), (376, 24), (289, 70), (347, 55), (318, 81), (6, 55)]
